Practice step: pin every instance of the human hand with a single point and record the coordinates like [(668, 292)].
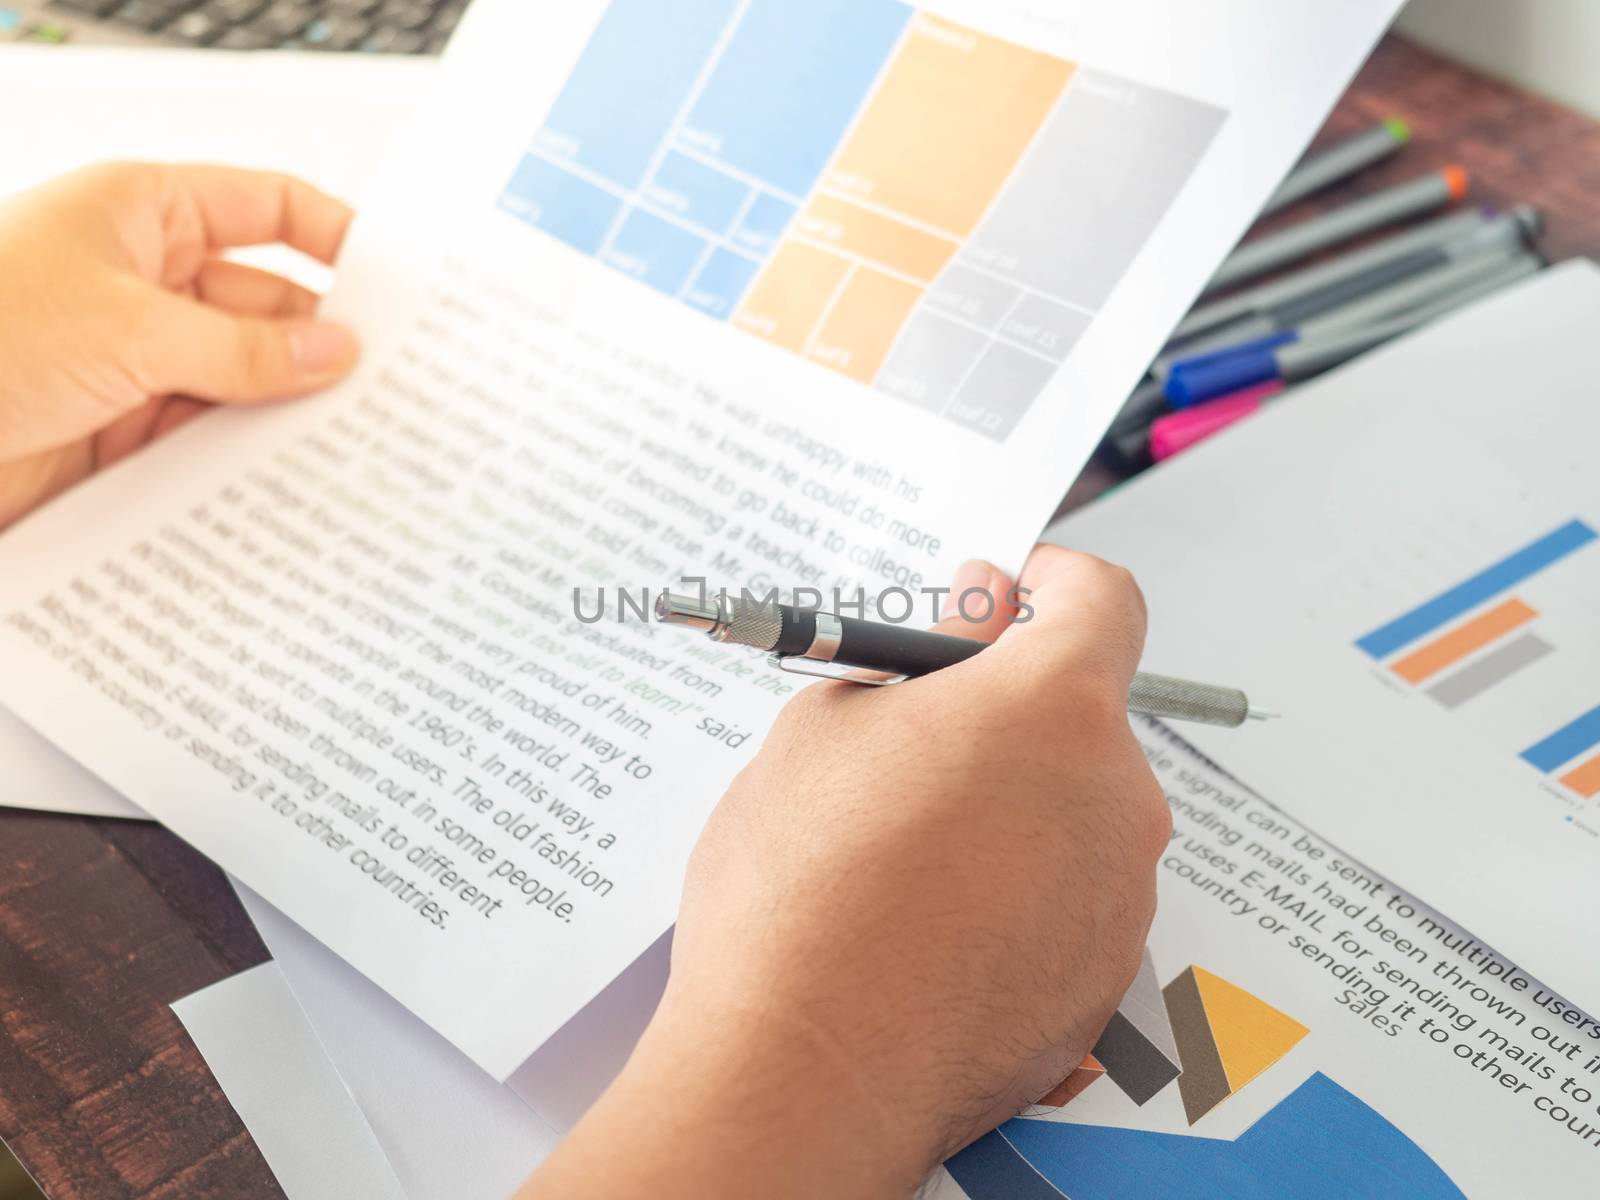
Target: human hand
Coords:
[(911, 916), (118, 319)]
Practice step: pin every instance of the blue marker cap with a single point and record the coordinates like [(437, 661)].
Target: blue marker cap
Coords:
[(1191, 383), (1267, 342)]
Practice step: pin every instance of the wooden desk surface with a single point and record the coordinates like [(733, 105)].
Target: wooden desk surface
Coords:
[(104, 923)]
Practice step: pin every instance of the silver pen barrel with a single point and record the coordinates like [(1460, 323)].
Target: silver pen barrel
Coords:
[(1185, 700), (759, 626)]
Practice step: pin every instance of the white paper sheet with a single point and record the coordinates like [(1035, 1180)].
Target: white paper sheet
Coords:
[(1269, 555), (446, 1127), (36, 774), (88, 105), (393, 726), (325, 118), (275, 1073), (370, 1035), (1354, 1066)]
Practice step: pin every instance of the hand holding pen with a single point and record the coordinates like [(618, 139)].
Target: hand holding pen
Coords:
[(853, 650)]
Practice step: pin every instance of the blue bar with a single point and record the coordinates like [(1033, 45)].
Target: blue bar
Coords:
[(560, 203), (721, 283), (700, 194), (1566, 743), (628, 85), (1485, 585), (654, 251), (789, 84), (761, 227)]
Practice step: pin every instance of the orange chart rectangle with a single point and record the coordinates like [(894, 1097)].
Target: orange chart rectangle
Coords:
[(862, 326), (1461, 641), (791, 295), (951, 118), (1585, 778), (875, 237)]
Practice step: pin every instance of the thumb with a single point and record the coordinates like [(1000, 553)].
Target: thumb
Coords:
[(1080, 612), (979, 603), (200, 351)]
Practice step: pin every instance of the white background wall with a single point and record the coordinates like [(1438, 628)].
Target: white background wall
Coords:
[(1548, 46)]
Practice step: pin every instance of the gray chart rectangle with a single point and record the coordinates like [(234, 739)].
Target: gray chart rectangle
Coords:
[(1090, 192), (1500, 664)]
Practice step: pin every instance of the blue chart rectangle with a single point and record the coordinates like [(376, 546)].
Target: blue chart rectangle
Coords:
[(1485, 585), (763, 223), (699, 194), (633, 77), (802, 69), (786, 165), (1566, 743), (721, 283), (655, 252), (561, 204)]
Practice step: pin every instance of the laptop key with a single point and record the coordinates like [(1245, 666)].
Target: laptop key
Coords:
[(445, 23), (143, 14), (89, 8), (386, 39), (348, 32), (410, 16), (283, 19), (196, 27), (243, 38), (234, 12)]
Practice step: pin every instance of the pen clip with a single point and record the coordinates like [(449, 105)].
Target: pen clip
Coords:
[(799, 664)]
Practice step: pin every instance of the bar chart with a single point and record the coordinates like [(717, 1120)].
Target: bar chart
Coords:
[(922, 208), (1475, 638)]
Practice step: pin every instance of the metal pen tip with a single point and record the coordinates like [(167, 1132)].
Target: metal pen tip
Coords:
[(1261, 714), (674, 608)]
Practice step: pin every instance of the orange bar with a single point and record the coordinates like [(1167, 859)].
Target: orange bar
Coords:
[(1463, 640), (1585, 778), (791, 295), (856, 337), (953, 114), (875, 237)]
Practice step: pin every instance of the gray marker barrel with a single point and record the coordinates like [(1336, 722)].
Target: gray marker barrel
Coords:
[(1147, 402), (1294, 312), (1322, 168), (1438, 232), (1401, 202), (1400, 298), (1303, 359), (1340, 303)]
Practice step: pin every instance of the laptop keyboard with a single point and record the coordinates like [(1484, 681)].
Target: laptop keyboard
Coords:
[(375, 26)]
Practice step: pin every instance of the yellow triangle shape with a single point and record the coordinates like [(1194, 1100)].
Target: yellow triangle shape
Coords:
[(1250, 1034)]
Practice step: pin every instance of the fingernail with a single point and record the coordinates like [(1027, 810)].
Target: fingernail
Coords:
[(321, 346), (974, 573)]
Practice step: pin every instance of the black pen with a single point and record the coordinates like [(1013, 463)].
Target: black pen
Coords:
[(830, 646)]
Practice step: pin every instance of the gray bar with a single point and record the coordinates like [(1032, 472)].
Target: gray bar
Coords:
[(1500, 663), (1324, 167), (1389, 207), (1001, 388), (1437, 232), (1300, 360), (1044, 326), (930, 360), (979, 299), (1096, 182)]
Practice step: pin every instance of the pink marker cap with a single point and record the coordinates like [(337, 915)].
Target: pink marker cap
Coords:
[(1177, 431)]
